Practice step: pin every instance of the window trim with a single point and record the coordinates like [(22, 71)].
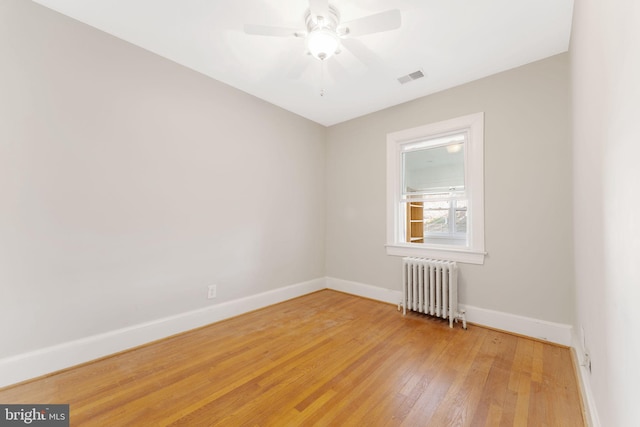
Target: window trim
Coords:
[(472, 253)]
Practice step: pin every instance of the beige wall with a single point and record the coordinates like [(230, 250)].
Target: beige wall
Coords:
[(129, 183), (605, 70), (528, 226)]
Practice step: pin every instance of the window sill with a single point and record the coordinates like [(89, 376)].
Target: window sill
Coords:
[(467, 256)]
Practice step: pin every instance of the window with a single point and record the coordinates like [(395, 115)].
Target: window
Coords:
[(435, 193)]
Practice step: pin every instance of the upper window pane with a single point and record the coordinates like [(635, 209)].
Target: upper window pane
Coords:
[(435, 168)]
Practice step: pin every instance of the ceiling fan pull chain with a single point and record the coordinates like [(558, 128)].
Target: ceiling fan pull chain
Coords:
[(322, 78)]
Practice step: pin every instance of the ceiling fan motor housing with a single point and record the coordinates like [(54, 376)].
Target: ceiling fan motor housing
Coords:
[(330, 21), (322, 38)]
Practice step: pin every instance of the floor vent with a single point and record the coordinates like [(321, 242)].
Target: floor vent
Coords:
[(411, 77)]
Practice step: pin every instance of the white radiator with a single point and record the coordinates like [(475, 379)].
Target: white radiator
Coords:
[(431, 287)]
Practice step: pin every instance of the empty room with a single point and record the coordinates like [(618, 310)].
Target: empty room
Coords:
[(301, 212)]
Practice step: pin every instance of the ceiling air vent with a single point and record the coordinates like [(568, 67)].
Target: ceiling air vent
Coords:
[(411, 77)]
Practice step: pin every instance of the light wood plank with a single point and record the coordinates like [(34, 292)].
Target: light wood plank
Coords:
[(327, 358)]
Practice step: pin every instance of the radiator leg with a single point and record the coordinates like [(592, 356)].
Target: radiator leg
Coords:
[(404, 308), (458, 316)]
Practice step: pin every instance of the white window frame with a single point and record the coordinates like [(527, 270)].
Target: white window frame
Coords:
[(472, 251)]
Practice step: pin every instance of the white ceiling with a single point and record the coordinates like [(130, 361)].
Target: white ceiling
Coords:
[(452, 41)]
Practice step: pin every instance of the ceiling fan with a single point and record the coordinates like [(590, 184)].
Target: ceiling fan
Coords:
[(324, 31)]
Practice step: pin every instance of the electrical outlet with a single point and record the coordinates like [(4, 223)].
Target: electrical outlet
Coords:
[(211, 291), (586, 358)]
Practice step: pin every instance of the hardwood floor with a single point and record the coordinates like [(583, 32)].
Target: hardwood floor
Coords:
[(327, 358)]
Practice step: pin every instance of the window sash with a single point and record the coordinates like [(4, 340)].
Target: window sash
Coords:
[(446, 152), (451, 216)]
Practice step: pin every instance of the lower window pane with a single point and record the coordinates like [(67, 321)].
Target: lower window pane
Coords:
[(436, 217), (461, 221), (461, 216)]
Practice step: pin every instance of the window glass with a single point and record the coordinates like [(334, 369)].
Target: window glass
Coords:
[(433, 172), (434, 169), (436, 217)]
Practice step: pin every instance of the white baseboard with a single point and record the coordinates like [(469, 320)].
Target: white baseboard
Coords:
[(558, 333), (584, 382), (50, 359), (549, 331), (363, 290), (25, 366)]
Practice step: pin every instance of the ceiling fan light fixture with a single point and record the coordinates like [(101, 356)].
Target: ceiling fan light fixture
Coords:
[(323, 43)]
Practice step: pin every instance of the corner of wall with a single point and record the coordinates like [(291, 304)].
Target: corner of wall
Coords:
[(583, 379)]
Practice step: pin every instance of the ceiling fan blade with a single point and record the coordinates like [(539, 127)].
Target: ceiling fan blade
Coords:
[(383, 21), (319, 7), (264, 30), (363, 53), (336, 70), (298, 68)]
